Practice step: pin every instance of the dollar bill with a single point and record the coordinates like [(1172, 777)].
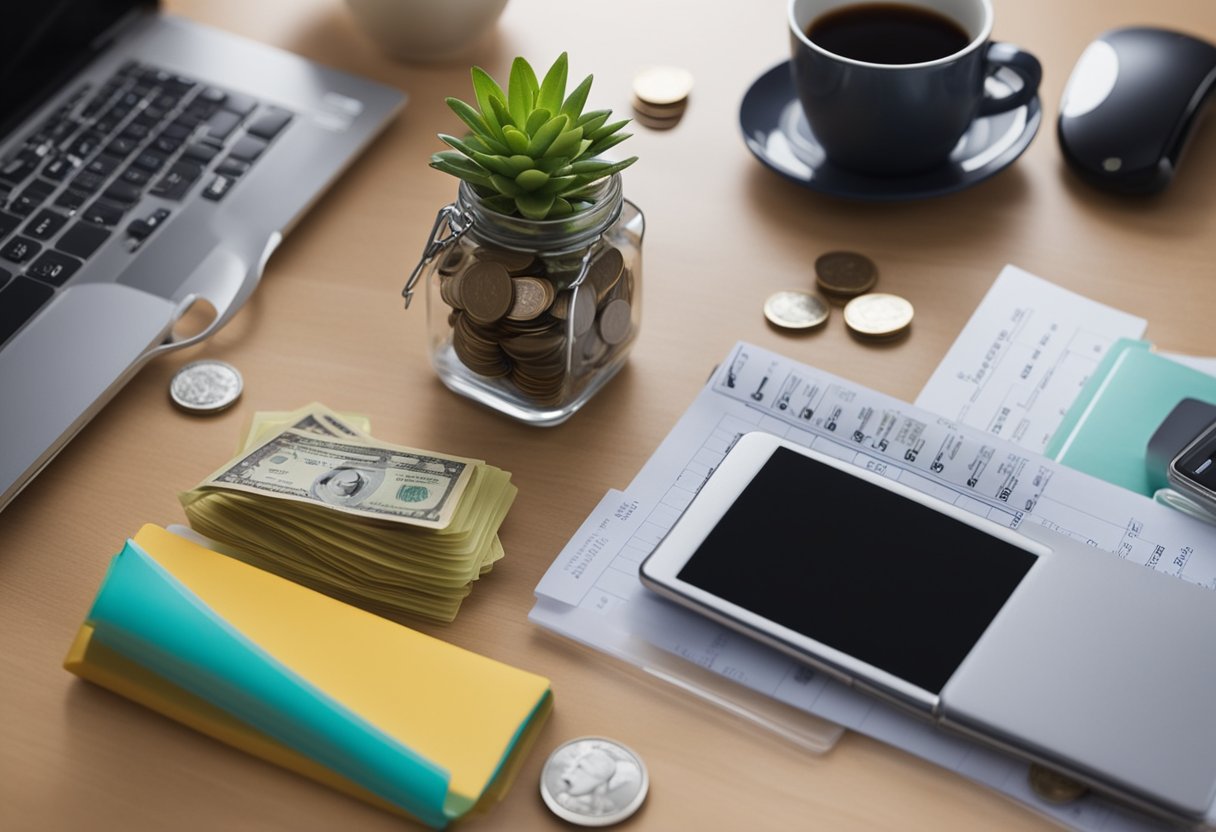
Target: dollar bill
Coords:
[(312, 418), (354, 476)]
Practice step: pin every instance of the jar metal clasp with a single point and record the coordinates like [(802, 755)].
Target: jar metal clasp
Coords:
[(450, 225)]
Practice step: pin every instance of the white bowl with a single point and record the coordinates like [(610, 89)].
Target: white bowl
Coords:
[(425, 30)]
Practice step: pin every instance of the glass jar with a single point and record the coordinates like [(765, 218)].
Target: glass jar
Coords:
[(532, 317)]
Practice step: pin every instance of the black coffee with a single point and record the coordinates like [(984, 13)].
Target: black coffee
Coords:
[(887, 33)]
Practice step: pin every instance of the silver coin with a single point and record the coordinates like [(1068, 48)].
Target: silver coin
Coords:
[(592, 781), (793, 309), (206, 386)]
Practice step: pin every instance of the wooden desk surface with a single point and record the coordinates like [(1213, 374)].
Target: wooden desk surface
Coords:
[(723, 233)]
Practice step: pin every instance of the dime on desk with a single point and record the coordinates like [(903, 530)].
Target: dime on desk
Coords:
[(592, 781), (878, 315), (793, 309), (845, 274), (660, 95), (206, 386)]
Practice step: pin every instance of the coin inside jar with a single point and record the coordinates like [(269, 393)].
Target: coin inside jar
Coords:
[(878, 315), (593, 781), (793, 309), (486, 291), (207, 386), (845, 274), (531, 297)]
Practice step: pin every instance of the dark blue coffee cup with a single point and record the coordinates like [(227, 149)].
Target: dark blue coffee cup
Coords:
[(901, 118)]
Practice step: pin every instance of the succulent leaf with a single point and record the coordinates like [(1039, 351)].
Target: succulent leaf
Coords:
[(517, 140), (536, 120), (531, 180), (577, 99), (521, 90), (531, 150), (553, 88), (535, 206)]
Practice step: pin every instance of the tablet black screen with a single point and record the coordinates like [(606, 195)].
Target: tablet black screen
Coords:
[(859, 568)]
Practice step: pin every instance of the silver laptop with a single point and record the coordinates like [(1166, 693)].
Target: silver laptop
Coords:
[(145, 162)]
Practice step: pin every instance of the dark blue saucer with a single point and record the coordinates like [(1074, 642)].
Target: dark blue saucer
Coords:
[(776, 132)]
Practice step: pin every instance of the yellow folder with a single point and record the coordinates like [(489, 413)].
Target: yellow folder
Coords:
[(387, 714)]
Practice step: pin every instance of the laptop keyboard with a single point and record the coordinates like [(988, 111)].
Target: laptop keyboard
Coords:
[(82, 177)]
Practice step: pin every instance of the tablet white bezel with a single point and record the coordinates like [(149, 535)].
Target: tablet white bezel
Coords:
[(660, 570)]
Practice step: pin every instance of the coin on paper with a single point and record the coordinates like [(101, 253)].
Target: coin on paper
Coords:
[(1054, 787), (878, 315), (592, 781), (206, 386), (793, 309), (845, 274), (662, 85)]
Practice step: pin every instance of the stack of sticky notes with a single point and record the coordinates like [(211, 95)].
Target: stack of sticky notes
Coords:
[(384, 713)]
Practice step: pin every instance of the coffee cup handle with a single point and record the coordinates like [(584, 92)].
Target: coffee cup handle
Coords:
[(1025, 65)]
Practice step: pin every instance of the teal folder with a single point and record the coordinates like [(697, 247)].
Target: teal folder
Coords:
[(1106, 431)]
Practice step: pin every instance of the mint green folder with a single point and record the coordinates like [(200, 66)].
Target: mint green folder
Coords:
[(1106, 431)]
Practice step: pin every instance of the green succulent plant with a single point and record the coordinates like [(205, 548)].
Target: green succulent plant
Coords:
[(532, 151)]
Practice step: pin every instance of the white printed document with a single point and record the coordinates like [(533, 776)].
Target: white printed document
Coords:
[(1019, 363), (592, 592)]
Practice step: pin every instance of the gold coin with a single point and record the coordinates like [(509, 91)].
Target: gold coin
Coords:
[(531, 297), (845, 273), (605, 270), (615, 322), (1054, 787), (655, 123), (662, 85), (878, 314), (792, 309), (486, 291), (659, 111)]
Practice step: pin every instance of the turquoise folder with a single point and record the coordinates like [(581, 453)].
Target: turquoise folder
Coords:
[(1106, 431), (157, 632)]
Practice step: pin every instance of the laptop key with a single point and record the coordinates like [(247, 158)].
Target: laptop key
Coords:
[(218, 187), (8, 223), (85, 144), (269, 123), (54, 267), (231, 167), (242, 104), (19, 300), (149, 161), (135, 176), (103, 165), (220, 126), (18, 169), (5, 276), (102, 212), (71, 199), (121, 147), (139, 230), (199, 152), (82, 239), (123, 193), (45, 225), (88, 182), (34, 194), (247, 148), (19, 249), (177, 180)]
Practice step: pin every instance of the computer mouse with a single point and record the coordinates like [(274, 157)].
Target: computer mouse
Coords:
[(1131, 104)]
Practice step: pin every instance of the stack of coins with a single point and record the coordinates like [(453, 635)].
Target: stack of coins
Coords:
[(515, 319), (660, 96)]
